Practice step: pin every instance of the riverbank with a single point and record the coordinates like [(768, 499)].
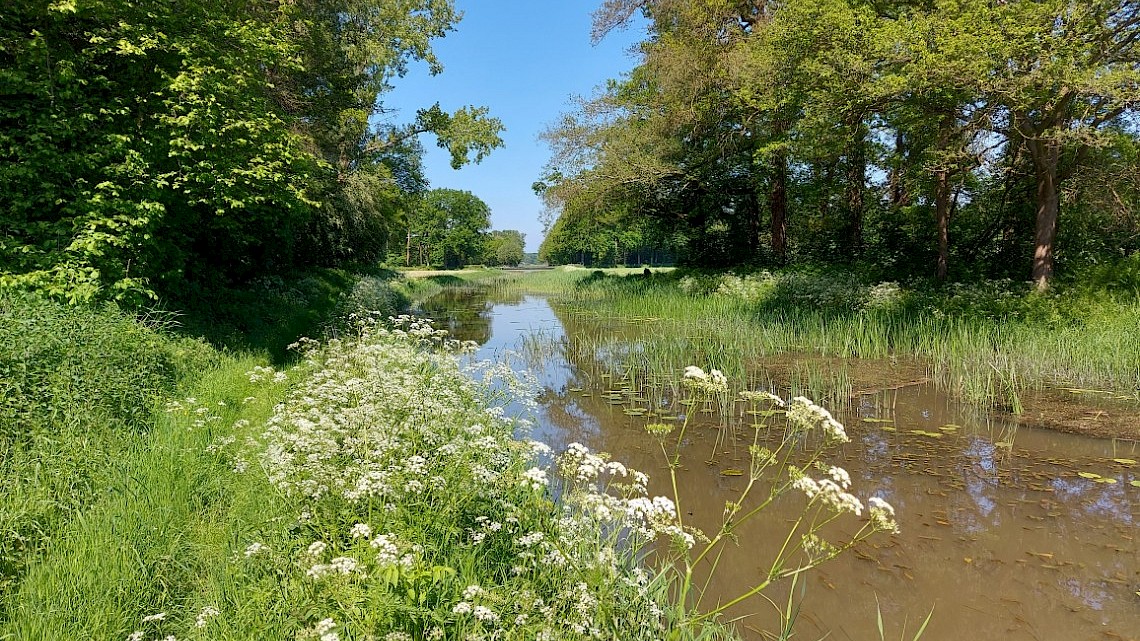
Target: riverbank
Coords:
[(156, 486), (1068, 360)]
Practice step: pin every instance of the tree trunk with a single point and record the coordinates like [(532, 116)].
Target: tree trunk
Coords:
[(778, 205), (1046, 159), (754, 225), (856, 183), (942, 214), (897, 180), (823, 176)]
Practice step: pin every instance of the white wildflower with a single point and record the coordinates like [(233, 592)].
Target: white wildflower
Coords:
[(882, 514), (840, 476), (205, 615), (483, 613), (535, 478), (463, 607), (255, 548)]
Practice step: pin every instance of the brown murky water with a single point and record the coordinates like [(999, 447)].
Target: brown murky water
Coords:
[(1000, 533)]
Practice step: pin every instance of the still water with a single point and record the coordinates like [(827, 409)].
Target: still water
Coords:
[(1000, 535)]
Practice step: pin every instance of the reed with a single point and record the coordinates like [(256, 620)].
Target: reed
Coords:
[(987, 344)]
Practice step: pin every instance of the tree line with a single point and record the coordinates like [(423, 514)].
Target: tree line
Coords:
[(947, 138), (450, 228), (152, 147)]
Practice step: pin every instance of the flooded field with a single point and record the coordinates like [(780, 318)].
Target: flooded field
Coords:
[(1006, 532)]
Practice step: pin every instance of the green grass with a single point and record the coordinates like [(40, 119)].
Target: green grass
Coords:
[(77, 389), (81, 420), (987, 344), (171, 458), (169, 514)]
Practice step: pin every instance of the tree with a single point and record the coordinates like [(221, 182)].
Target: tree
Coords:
[(1066, 75), (505, 248), (146, 146), (451, 225), (749, 124)]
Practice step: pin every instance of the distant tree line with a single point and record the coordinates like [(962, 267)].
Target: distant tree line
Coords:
[(450, 228), (152, 147), (949, 138)]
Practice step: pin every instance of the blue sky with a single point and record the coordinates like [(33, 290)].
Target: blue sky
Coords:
[(524, 59)]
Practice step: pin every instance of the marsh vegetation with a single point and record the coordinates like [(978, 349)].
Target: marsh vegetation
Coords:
[(984, 503)]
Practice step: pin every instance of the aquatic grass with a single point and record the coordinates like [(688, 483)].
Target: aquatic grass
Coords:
[(988, 345)]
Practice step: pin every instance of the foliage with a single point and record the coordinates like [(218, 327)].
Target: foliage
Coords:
[(149, 147), (619, 238), (448, 227), (505, 248), (269, 313), (956, 139), (77, 387)]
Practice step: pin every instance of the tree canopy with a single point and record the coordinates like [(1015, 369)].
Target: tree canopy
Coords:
[(153, 146), (449, 228), (505, 248), (963, 136)]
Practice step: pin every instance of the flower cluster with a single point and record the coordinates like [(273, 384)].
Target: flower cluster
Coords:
[(713, 382), (407, 481), (831, 492), (882, 514), (806, 415), (756, 396)]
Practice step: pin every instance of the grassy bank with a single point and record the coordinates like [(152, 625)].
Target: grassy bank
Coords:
[(988, 344), (81, 397), (160, 487)]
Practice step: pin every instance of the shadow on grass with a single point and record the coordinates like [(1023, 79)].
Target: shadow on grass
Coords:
[(269, 314), (447, 280)]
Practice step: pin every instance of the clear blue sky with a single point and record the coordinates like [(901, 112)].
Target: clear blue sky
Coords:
[(524, 59)]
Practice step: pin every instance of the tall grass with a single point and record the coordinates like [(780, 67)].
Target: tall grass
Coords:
[(77, 388), (167, 519), (986, 344), (87, 455)]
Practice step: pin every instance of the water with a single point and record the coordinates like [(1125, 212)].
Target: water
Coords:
[(1000, 535)]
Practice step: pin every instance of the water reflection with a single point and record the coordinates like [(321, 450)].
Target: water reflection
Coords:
[(1005, 541)]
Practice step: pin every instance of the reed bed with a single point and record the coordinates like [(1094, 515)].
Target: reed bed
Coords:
[(986, 344)]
